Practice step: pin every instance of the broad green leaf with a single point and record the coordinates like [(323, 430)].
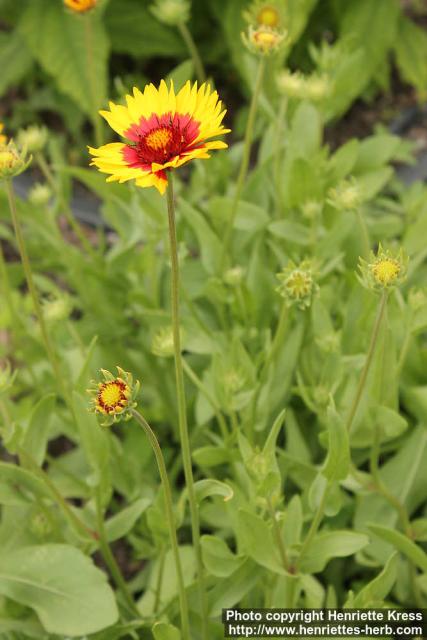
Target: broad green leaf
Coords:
[(402, 543), (257, 541), (331, 544), (165, 631), (305, 134), (211, 456), (69, 594), (292, 231), (218, 558), (72, 48), (19, 486), (338, 458)]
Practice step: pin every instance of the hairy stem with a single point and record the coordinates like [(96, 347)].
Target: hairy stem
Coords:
[(182, 409), (170, 519), (368, 361)]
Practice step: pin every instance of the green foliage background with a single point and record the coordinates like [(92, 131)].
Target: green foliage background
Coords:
[(370, 548)]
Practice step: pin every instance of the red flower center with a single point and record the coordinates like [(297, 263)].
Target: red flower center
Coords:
[(159, 139)]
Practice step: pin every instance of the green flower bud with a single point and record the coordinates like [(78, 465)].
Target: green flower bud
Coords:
[(347, 196), (233, 277), (297, 285), (264, 41), (33, 138), (171, 12), (12, 161), (39, 194), (162, 343)]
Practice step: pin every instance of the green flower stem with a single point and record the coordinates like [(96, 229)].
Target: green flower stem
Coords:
[(170, 519), (159, 583), (193, 51), (368, 361), (33, 293), (245, 160), (73, 223), (182, 410), (209, 397), (278, 535), (91, 77), (318, 517), (110, 560)]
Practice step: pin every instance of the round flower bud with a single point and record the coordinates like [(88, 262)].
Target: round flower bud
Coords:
[(39, 194), (347, 196), (234, 380), (233, 277), (57, 309), (33, 139), (266, 14), (417, 299), (171, 12), (263, 41), (317, 88), (80, 6), (297, 285), (114, 398), (292, 85), (162, 343)]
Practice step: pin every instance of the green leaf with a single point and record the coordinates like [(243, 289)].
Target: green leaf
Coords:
[(121, 523), (292, 231), (15, 59), (331, 544), (133, 29), (256, 541), (218, 558), (337, 462), (403, 544), (411, 54), (165, 631), (68, 593), (209, 243), (306, 131), (231, 590), (37, 433), (75, 52), (94, 440), (374, 593), (19, 486)]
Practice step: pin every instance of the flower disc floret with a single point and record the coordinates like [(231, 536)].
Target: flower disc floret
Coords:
[(80, 6), (163, 131)]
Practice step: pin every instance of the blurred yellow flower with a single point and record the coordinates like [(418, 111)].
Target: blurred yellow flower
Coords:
[(80, 6), (163, 131), (3, 138)]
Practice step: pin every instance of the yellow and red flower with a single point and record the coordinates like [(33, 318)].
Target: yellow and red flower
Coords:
[(80, 6), (163, 131), (115, 397)]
